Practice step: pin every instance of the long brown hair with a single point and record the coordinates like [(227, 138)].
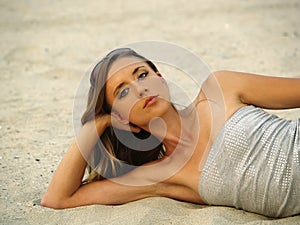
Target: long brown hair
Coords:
[(111, 157)]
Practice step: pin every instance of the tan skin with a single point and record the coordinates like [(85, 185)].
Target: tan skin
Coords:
[(177, 174)]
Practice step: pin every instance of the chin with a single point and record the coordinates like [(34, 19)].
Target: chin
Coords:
[(145, 116)]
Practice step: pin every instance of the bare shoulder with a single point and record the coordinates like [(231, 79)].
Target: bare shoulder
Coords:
[(271, 92), (222, 95)]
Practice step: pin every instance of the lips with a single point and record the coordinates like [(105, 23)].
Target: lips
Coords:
[(149, 101)]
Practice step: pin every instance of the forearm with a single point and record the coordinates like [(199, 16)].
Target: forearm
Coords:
[(68, 176)]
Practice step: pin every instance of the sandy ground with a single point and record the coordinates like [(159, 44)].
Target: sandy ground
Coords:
[(47, 46)]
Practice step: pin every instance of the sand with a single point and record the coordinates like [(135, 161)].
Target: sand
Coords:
[(47, 46)]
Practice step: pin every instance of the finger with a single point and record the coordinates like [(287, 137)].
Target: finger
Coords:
[(135, 129)]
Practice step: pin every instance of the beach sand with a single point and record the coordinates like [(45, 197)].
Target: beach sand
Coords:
[(46, 48)]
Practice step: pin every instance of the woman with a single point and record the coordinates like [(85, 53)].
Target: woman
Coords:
[(149, 148)]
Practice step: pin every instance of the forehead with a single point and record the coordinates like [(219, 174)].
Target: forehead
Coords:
[(125, 65)]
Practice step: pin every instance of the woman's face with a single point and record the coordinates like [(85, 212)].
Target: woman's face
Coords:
[(136, 92)]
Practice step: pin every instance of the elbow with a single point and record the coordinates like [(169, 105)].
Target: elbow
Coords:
[(49, 202), (219, 73), (46, 203)]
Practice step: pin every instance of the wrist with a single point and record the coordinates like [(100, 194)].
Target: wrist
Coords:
[(106, 121), (100, 124)]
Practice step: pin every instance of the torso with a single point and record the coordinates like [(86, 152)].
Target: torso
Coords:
[(213, 110)]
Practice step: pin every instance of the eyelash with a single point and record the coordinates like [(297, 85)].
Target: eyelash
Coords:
[(125, 91), (143, 75)]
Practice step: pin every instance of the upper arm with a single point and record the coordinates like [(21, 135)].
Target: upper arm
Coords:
[(132, 186), (145, 181), (107, 192), (104, 192), (263, 91)]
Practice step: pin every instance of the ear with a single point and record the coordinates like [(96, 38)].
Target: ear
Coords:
[(120, 118), (161, 77), (158, 74)]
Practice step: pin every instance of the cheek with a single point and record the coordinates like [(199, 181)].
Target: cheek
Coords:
[(126, 106)]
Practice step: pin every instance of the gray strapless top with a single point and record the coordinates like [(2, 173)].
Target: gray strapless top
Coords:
[(254, 164)]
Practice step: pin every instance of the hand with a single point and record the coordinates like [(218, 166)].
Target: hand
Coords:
[(114, 120), (122, 124)]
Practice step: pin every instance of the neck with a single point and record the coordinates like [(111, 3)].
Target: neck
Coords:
[(170, 130)]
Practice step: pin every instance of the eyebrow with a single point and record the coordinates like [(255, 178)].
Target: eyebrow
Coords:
[(122, 83)]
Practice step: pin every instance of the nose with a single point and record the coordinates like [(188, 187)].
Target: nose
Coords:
[(141, 90)]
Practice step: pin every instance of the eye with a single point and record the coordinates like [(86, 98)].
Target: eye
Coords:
[(143, 75), (123, 93)]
